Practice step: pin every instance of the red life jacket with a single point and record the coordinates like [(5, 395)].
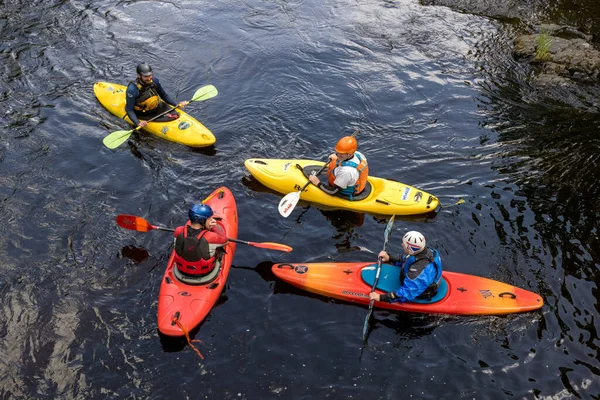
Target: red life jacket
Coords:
[(190, 251)]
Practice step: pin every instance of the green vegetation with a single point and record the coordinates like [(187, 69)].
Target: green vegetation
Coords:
[(542, 41)]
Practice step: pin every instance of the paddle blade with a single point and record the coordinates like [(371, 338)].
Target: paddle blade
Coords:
[(272, 246), (366, 325), (115, 139), (134, 223), (205, 93), (388, 230), (287, 204)]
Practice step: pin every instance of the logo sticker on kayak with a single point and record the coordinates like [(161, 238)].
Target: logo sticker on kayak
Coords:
[(286, 166), (486, 293), (301, 269), (347, 292), (418, 197), (183, 125), (405, 193), (164, 130)]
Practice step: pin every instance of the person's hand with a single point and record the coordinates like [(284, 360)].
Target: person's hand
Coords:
[(332, 157), (375, 296), (385, 257), (314, 180), (183, 104), (211, 222), (142, 124)]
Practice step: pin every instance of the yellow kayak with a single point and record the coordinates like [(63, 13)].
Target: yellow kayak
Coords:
[(185, 129), (381, 196)]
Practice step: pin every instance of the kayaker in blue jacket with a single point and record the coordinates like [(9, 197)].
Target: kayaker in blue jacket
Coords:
[(146, 98), (421, 271)]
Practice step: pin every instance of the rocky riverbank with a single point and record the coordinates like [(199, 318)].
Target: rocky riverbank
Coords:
[(565, 65)]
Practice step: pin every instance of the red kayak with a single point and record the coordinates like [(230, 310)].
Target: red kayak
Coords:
[(188, 304), (458, 294)]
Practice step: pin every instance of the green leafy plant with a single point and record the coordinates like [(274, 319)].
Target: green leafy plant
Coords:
[(542, 41)]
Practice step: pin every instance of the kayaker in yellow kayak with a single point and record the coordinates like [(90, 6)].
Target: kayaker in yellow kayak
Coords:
[(421, 271), (347, 170), (146, 98)]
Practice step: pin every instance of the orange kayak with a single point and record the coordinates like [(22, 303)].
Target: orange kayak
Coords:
[(191, 303), (459, 294)]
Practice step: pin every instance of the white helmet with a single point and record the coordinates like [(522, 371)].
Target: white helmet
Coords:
[(413, 242)]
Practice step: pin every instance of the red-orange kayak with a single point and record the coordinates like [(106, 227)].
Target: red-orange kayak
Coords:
[(188, 303), (459, 294)]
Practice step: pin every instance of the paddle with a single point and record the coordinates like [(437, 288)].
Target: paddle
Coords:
[(139, 224), (289, 201), (115, 139), (386, 235)]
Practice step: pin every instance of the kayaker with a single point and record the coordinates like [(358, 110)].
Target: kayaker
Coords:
[(347, 171), (197, 244), (146, 98), (421, 271)]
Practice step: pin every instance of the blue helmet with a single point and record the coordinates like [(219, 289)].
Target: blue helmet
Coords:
[(200, 213)]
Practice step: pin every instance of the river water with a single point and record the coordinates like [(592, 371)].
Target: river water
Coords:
[(440, 104)]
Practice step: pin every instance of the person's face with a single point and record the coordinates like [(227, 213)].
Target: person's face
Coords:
[(343, 156), (146, 79)]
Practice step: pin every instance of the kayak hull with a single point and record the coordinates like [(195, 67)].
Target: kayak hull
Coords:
[(466, 295), (190, 304), (185, 129), (387, 197)]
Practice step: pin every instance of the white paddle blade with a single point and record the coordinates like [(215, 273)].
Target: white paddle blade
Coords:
[(287, 204)]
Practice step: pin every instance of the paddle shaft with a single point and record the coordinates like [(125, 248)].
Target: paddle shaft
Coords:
[(156, 117), (230, 239), (386, 236), (325, 166), (139, 224)]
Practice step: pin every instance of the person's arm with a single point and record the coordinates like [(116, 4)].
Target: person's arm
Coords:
[(130, 96), (163, 95), (332, 190), (211, 241), (177, 244)]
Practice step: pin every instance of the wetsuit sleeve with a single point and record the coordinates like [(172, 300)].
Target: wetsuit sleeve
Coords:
[(211, 241), (398, 261), (163, 95), (177, 240), (328, 189), (131, 95)]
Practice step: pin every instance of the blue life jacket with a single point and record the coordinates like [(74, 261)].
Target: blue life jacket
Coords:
[(424, 279)]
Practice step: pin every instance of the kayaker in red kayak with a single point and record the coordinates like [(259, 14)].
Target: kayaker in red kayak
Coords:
[(146, 98), (198, 243), (421, 271), (347, 171)]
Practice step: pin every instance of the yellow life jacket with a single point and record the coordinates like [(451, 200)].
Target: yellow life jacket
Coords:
[(148, 99)]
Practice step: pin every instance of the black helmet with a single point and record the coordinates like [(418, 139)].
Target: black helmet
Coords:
[(144, 69)]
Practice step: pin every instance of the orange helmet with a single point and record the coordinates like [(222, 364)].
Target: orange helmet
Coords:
[(346, 145)]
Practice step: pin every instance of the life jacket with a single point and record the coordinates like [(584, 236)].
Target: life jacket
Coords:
[(148, 99), (434, 258), (190, 252), (359, 162)]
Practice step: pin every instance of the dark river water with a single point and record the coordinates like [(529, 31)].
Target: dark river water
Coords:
[(440, 104)]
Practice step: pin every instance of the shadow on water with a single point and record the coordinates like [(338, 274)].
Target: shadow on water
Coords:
[(136, 254), (263, 269)]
